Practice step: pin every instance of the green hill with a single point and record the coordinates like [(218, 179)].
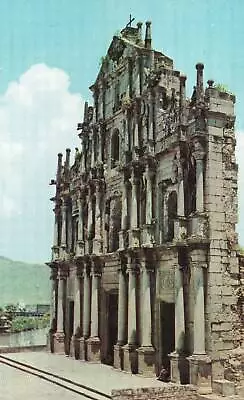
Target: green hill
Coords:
[(23, 283)]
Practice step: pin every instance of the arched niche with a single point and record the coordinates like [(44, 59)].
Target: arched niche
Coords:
[(115, 148), (172, 214)]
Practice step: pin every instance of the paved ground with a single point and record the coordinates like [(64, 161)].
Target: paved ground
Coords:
[(16, 385)]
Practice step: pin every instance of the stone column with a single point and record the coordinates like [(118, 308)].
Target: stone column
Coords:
[(75, 347), (199, 185), (199, 316), (137, 78), (122, 313), (53, 309), (55, 233), (181, 201), (59, 335), (179, 311), (198, 220), (91, 138), (64, 228), (136, 132), (54, 288), (149, 199), (124, 206), (200, 88), (134, 233), (177, 359), (83, 158), (199, 156), (100, 143), (90, 214), (146, 352), (130, 354), (180, 229), (80, 238), (134, 203), (124, 214), (151, 123), (97, 242), (86, 314), (94, 343), (148, 230), (200, 363)]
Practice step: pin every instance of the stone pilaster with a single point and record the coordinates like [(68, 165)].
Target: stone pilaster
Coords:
[(59, 336), (94, 343), (146, 352), (86, 312), (122, 315), (129, 350)]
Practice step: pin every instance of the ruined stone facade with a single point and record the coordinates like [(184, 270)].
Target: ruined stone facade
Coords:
[(144, 264)]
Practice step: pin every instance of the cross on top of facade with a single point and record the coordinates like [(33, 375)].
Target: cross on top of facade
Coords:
[(130, 22)]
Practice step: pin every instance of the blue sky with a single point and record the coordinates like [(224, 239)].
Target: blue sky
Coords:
[(49, 56)]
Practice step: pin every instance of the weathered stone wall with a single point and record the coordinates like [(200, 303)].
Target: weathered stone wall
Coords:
[(165, 392), (222, 333), (158, 183)]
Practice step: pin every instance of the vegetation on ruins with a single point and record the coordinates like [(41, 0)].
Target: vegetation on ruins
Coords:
[(222, 88)]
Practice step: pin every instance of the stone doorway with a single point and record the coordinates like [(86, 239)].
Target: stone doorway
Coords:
[(112, 326), (167, 332)]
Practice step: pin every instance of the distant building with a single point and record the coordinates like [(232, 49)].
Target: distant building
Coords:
[(144, 264)]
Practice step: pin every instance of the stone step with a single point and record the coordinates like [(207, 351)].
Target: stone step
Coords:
[(224, 387)]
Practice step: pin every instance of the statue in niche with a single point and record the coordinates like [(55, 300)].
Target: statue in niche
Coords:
[(144, 122), (177, 171), (189, 176), (114, 223), (90, 114)]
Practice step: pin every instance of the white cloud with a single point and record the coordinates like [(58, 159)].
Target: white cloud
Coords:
[(38, 117)]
